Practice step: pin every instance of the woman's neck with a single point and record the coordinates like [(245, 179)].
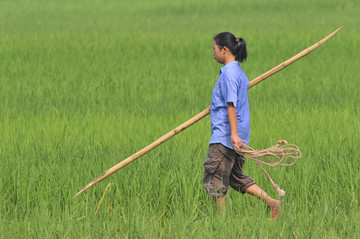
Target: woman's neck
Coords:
[(229, 59)]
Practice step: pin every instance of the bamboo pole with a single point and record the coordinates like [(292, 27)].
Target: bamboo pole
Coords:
[(291, 60), (201, 115)]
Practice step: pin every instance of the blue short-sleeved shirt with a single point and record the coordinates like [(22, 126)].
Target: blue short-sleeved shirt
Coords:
[(232, 86)]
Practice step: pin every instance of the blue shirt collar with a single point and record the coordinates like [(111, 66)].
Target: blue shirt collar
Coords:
[(231, 63)]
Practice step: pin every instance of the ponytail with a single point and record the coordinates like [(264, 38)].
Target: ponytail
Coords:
[(237, 46), (241, 52)]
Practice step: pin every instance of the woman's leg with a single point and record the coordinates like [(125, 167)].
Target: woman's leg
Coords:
[(258, 192), (220, 203)]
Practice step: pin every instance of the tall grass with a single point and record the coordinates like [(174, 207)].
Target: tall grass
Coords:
[(85, 84)]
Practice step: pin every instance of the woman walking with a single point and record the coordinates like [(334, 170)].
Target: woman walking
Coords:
[(230, 126)]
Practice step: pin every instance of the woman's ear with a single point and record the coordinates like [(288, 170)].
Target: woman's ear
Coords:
[(225, 50)]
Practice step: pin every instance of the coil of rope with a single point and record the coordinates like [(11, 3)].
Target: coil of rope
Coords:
[(273, 156)]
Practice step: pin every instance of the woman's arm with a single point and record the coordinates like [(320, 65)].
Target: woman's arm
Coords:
[(235, 139)]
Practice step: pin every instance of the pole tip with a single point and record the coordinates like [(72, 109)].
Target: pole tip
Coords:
[(81, 191), (77, 194)]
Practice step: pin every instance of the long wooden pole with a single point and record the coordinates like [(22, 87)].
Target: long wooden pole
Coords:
[(199, 116)]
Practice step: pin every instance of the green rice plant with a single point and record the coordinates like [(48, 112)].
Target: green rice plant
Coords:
[(85, 84)]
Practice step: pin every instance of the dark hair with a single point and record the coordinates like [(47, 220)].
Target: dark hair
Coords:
[(237, 46)]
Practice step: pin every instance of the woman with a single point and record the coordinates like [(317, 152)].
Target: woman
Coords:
[(230, 126)]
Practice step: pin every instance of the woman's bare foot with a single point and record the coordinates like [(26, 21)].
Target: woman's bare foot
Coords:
[(274, 206)]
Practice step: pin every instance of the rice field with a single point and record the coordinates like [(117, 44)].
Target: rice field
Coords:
[(85, 84)]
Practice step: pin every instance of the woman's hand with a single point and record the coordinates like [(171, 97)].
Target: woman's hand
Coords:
[(236, 141)]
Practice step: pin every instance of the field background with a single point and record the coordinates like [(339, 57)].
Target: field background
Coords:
[(85, 84)]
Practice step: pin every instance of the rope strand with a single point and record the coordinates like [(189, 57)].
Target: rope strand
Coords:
[(281, 151)]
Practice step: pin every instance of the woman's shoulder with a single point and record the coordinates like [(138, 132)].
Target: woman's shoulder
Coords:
[(235, 75), (233, 71)]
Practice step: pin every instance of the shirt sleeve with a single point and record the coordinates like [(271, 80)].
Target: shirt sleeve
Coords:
[(229, 89)]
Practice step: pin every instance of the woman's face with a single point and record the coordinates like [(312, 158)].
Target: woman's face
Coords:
[(218, 54)]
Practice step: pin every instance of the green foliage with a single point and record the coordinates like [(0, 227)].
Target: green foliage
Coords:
[(85, 84)]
